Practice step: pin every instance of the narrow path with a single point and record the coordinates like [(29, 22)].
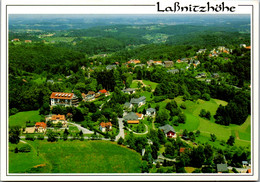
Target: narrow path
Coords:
[(140, 133)]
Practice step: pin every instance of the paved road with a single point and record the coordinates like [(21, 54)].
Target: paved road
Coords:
[(121, 129), (84, 130)]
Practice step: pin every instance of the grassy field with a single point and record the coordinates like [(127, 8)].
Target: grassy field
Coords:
[(78, 157), (207, 127), (21, 118), (149, 83)]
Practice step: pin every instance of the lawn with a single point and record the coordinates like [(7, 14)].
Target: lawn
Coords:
[(149, 83), (82, 157), (21, 118)]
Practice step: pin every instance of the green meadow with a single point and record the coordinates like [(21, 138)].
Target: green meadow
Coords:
[(75, 157), (20, 118), (194, 122)]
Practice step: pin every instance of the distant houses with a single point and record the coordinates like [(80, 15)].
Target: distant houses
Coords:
[(173, 71), (15, 40), (64, 99)]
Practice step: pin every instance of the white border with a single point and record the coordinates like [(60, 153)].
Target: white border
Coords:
[(122, 10)]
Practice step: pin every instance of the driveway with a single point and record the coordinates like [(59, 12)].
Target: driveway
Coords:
[(84, 130), (121, 129)]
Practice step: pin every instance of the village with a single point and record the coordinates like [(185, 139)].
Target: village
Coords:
[(139, 112)]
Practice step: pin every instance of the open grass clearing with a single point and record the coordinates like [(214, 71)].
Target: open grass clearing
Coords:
[(82, 157), (20, 118)]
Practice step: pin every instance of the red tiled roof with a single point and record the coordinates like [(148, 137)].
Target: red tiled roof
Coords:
[(61, 95), (103, 125), (248, 47), (133, 121), (103, 91), (139, 115), (248, 171), (58, 117), (83, 95), (40, 124)]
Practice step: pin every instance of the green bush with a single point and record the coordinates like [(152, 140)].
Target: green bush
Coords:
[(25, 148)]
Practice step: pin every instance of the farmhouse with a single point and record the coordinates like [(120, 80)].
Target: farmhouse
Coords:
[(40, 127), (129, 90), (63, 99), (150, 112), (168, 131), (105, 126), (138, 101)]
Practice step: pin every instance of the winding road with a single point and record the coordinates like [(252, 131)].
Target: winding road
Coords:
[(121, 129)]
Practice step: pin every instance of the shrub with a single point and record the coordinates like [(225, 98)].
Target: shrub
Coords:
[(29, 137), (183, 106), (40, 137), (25, 148)]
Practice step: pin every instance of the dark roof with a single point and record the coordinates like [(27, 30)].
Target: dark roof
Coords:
[(137, 100), (151, 110), (128, 90), (127, 104), (167, 128), (131, 116), (222, 167)]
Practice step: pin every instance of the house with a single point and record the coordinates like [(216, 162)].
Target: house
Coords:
[(132, 118), (83, 96), (150, 112), (222, 168), (105, 126), (103, 91), (201, 75), (64, 99), (129, 90), (244, 163), (201, 51), (248, 47), (174, 71), (90, 95), (168, 131), (168, 64), (138, 101), (28, 41), (40, 127), (15, 40), (215, 75), (128, 105), (157, 62), (110, 67), (140, 116), (178, 61), (248, 171), (133, 61), (55, 119)]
